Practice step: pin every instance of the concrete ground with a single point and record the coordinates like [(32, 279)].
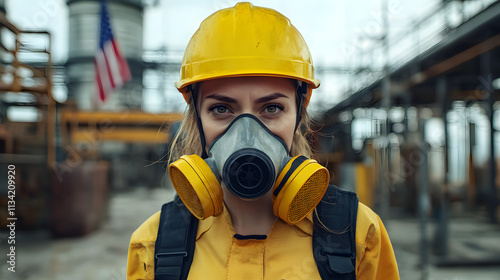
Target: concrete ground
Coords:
[(103, 253), (473, 250)]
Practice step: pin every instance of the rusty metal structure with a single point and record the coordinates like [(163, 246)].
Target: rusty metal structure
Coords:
[(26, 82), (68, 156)]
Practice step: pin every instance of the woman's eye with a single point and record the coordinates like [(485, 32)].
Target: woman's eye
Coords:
[(273, 109), (219, 109)]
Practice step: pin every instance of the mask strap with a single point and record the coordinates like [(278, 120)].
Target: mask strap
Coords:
[(301, 93), (194, 95)]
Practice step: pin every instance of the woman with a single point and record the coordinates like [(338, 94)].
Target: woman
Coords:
[(259, 207)]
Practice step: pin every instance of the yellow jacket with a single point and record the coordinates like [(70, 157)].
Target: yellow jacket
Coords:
[(286, 253)]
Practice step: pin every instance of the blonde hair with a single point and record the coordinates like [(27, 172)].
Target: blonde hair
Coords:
[(187, 139)]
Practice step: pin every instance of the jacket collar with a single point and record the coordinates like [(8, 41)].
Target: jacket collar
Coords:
[(306, 225)]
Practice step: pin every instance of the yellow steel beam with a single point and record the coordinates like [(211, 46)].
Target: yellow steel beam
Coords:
[(128, 135), (131, 117)]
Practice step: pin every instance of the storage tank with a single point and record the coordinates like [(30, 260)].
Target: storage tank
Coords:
[(126, 18)]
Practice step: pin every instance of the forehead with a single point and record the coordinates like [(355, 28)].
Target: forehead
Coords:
[(236, 86)]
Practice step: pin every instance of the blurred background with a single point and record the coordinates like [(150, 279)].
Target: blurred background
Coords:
[(406, 116)]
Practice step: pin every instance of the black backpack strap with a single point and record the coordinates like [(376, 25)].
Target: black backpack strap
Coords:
[(175, 242), (335, 252)]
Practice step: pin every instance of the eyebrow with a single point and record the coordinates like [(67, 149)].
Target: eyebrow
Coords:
[(270, 97), (221, 98), (263, 99)]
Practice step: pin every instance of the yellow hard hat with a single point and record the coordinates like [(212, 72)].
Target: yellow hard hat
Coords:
[(246, 40)]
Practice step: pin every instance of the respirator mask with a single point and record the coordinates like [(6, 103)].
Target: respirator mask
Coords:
[(250, 160)]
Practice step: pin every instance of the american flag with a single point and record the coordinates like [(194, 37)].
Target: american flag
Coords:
[(111, 68)]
